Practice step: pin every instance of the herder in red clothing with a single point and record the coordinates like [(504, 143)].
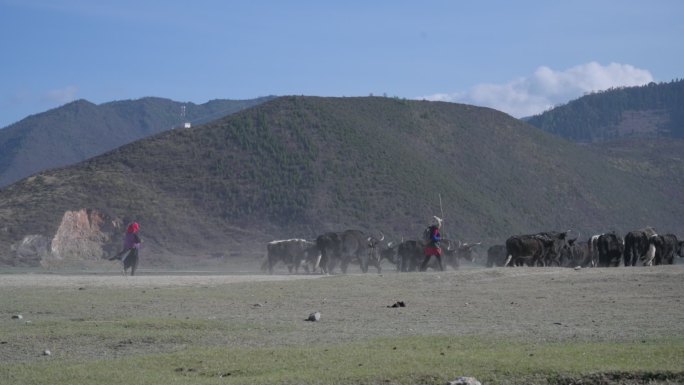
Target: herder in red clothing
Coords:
[(131, 244), (432, 238)]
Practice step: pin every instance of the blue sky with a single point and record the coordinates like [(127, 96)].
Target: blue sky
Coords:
[(520, 57)]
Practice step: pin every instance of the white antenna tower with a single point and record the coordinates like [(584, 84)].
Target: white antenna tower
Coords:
[(186, 124)]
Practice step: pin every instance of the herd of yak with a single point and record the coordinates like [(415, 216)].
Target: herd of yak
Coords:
[(641, 247)]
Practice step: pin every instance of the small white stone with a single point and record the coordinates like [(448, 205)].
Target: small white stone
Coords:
[(17, 316), (314, 317), (47, 353)]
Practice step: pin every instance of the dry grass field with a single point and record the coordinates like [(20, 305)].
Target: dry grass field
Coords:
[(501, 325)]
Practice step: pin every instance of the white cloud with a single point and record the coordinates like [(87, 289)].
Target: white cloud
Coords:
[(546, 88), (60, 96)]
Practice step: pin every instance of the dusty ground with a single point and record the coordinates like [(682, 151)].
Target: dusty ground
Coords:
[(68, 311), (37, 280), (539, 302)]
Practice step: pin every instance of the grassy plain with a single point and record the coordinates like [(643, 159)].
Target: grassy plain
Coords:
[(502, 326)]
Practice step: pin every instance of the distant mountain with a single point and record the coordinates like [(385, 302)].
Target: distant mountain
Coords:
[(301, 166), (81, 130), (650, 111)]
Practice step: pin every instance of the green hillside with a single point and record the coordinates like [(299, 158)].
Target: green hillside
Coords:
[(81, 130), (300, 166), (650, 111)]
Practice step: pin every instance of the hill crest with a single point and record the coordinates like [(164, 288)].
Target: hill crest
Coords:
[(300, 166), (80, 129), (649, 111)]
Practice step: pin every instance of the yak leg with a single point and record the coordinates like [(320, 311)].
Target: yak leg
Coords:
[(630, 256), (456, 263), (297, 262), (291, 265), (439, 262), (615, 260), (304, 265), (317, 263), (403, 264), (323, 262), (649, 256), (364, 263), (374, 262), (332, 264), (508, 260), (539, 259), (410, 264), (344, 265)]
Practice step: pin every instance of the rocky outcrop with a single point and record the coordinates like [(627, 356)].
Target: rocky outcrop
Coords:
[(32, 249), (83, 235)]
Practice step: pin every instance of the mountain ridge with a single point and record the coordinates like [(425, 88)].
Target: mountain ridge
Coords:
[(81, 129), (298, 166), (655, 110)]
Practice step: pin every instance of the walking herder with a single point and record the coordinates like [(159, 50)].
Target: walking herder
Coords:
[(432, 237)]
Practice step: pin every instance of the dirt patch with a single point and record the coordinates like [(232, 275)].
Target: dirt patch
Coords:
[(156, 280)]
